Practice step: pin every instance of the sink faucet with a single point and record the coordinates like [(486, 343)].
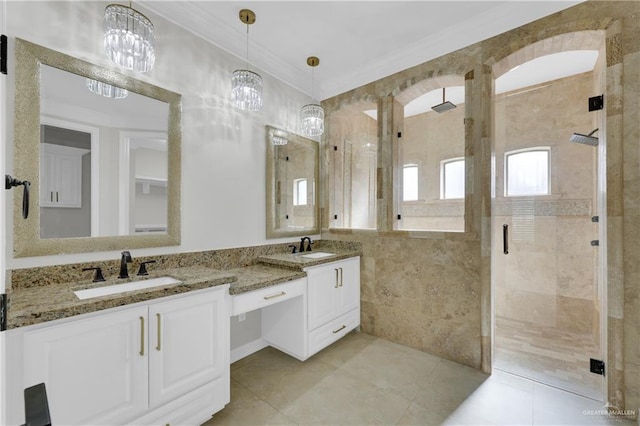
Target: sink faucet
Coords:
[(302, 240), (126, 258)]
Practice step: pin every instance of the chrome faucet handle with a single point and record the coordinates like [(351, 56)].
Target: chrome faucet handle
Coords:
[(293, 248), (98, 277), (309, 244)]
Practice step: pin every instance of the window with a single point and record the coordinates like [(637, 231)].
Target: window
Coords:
[(452, 178), (300, 192), (527, 172), (410, 182)]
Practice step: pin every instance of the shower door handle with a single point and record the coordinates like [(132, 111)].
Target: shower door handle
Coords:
[(505, 238)]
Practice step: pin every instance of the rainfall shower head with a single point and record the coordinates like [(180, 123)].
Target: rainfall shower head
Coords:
[(444, 106), (585, 139)]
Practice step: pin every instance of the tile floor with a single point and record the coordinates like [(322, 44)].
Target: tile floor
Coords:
[(363, 380), (548, 354)]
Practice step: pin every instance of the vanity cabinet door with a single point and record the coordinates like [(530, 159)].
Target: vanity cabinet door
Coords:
[(61, 176), (349, 285), (95, 370), (322, 294), (188, 340)]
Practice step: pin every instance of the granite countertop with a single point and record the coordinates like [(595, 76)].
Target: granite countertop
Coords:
[(298, 261), (36, 305), (260, 276)]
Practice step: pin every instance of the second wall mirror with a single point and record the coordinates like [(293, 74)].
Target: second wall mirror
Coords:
[(292, 180)]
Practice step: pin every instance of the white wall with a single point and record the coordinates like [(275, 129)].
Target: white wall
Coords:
[(223, 152)]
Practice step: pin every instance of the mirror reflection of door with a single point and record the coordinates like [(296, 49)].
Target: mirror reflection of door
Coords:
[(143, 182)]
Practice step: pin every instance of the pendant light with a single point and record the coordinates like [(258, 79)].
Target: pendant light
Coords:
[(129, 40), (312, 115), (246, 93)]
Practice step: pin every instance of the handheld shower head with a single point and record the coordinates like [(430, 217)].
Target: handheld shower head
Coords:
[(585, 139)]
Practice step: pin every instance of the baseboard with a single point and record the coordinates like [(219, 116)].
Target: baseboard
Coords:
[(247, 349)]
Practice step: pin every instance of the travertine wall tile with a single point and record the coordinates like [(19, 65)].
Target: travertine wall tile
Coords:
[(580, 27)]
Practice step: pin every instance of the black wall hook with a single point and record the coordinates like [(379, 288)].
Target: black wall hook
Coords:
[(10, 182)]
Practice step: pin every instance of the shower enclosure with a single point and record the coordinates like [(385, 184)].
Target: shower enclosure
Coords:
[(547, 289)]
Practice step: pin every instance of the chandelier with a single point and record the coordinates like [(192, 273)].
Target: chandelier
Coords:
[(246, 92), (312, 115), (128, 38), (106, 90)]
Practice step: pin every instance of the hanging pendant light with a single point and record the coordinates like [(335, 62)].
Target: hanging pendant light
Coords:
[(106, 90), (312, 115), (129, 40), (246, 92)]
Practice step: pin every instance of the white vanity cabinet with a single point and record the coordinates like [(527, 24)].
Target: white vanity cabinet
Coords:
[(92, 368), (161, 362), (333, 294), (61, 176)]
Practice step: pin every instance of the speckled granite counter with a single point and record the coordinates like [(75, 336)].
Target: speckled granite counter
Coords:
[(259, 276), (298, 261), (36, 305)]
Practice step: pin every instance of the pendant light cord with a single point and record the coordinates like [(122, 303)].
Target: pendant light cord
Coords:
[(247, 46)]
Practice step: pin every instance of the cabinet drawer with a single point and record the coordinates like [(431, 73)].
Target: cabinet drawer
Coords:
[(334, 330), (257, 299)]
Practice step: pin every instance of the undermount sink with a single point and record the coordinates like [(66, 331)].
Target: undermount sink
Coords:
[(317, 255), (121, 288)]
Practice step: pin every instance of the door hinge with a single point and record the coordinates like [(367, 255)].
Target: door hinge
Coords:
[(335, 147), (399, 217), (3, 312), (596, 103), (596, 366), (595, 243), (595, 219), (3, 54), (399, 134)]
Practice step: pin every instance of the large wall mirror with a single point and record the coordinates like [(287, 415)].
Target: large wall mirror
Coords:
[(292, 176), (102, 151)]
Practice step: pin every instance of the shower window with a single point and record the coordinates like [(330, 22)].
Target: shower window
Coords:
[(300, 192), (410, 182), (430, 166), (452, 179), (527, 172)]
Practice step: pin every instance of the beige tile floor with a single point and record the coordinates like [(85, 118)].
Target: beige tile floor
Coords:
[(363, 380), (548, 354)]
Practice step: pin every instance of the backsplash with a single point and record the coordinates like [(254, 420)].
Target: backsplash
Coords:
[(216, 259)]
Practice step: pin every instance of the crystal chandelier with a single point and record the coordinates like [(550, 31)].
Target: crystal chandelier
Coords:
[(246, 92), (106, 90), (279, 140), (128, 38), (312, 115)]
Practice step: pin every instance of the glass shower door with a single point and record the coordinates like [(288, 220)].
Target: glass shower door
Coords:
[(547, 296)]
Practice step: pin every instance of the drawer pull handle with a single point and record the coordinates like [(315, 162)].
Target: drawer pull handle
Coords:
[(141, 336), (275, 295), (340, 329), (337, 279), (159, 331), (340, 276)]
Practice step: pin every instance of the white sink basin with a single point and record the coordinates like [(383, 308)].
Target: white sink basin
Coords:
[(121, 288), (317, 255)]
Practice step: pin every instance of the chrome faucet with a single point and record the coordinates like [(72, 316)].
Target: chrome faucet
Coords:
[(302, 240), (126, 258)]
